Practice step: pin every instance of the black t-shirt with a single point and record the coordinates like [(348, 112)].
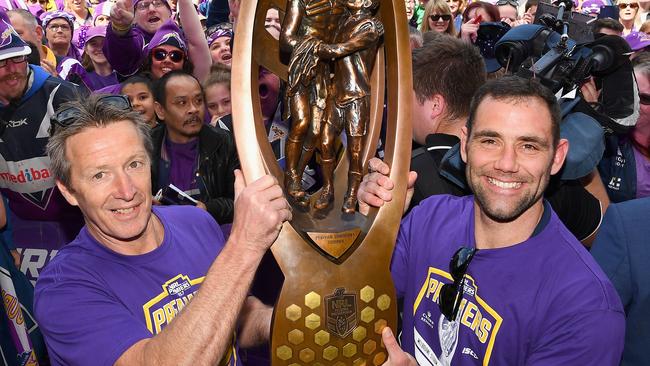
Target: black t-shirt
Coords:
[(578, 209)]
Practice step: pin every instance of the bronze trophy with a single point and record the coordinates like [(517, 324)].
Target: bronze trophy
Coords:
[(341, 60)]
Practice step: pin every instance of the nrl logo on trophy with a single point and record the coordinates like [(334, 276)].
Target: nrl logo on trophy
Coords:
[(346, 71), (341, 312)]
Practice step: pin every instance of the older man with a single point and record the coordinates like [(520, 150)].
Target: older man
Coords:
[(133, 269), (189, 154), (519, 288)]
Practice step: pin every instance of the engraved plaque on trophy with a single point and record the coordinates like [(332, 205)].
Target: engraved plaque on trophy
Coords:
[(341, 61)]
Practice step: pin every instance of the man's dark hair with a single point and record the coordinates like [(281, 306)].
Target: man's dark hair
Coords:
[(516, 89), (607, 23), (450, 67), (160, 86)]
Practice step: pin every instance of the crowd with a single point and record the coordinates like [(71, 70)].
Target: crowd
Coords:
[(115, 119)]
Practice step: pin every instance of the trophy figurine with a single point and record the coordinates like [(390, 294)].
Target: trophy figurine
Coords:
[(341, 61)]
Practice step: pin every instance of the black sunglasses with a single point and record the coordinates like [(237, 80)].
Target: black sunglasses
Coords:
[(175, 56), (66, 116), (436, 17), (451, 294)]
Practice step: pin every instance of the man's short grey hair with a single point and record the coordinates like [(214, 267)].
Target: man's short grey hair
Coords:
[(28, 17), (93, 112)]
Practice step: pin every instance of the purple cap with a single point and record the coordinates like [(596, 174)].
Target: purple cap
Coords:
[(637, 40), (11, 45), (220, 30), (592, 6), (51, 15), (169, 34), (85, 33)]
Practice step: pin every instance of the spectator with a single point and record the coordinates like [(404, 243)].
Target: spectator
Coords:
[(625, 168), (131, 251), (531, 7), (167, 52), (59, 27), (102, 14), (194, 157), (79, 9), (219, 42), (99, 72), (628, 11), (272, 23), (438, 17), (476, 13), (410, 9), (592, 7), (622, 251), (139, 90), (511, 145), (639, 42), (607, 26), (127, 48), (508, 11), (217, 95), (40, 218), (645, 26), (31, 32), (457, 7), (415, 38)]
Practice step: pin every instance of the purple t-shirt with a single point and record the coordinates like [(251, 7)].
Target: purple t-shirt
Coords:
[(541, 302), (183, 161), (92, 304), (642, 174)]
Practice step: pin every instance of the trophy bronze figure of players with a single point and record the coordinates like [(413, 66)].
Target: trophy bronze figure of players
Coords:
[(341, 61)]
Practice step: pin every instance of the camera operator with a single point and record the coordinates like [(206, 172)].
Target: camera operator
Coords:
[(625, 168)]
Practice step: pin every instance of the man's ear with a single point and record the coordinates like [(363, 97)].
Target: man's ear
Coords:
[(561, 151), (67, 193), (160, 111), (39, 34), (463, 143), (438, 106)]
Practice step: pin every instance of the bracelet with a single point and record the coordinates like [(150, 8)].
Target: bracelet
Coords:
[(119, 29)]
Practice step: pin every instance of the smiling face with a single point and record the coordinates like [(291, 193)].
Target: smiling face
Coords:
[(184, 108), (93, 48), (13, 80), (510, 156), (220, 51), (141, 100), (161, 67), (151, 17), (628, 9), (440, 25), (110, 181), (76, 6)]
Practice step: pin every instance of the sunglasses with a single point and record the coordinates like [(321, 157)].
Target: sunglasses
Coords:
[(175, 56), (644, 99), (512, 3), (66, 116), (15, 60), (451, 294), (437, 17), (630, 5)]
